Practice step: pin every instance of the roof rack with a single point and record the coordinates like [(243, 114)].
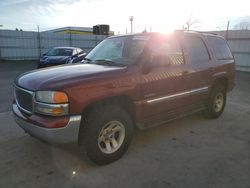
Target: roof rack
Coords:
[(193, 31), (207, 32)]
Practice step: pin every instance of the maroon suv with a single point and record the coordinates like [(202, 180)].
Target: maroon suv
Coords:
[(129, 81)]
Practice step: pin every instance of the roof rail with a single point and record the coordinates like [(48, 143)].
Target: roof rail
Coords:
[(179, 31), (207, 32), (193, 31)]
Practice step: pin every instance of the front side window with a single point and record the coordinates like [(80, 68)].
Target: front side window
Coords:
[(167, 51), (137, 46), (197, 50), (220, 48)]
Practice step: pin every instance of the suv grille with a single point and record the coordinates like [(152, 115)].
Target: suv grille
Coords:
[(24, 99)]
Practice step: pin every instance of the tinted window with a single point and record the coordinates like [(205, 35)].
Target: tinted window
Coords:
[(197, 50), (167, 51), (220, 48), (59, 52)]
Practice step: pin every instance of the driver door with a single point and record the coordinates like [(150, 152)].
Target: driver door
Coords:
[(163, 81)]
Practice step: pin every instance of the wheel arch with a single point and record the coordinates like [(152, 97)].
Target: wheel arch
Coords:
[(124, 101), (223, 80)]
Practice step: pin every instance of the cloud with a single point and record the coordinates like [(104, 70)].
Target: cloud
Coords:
[(28, 3), (17, 13), (12, 3)]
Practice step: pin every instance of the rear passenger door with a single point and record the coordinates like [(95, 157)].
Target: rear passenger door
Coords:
[(200, 65)]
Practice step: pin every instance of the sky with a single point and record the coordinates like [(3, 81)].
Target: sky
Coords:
[(155, 15)]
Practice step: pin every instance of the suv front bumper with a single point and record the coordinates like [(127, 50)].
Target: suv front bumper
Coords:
[(66, 134)]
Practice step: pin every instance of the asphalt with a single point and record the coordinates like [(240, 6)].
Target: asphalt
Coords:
[(9, 70), (190, 152)]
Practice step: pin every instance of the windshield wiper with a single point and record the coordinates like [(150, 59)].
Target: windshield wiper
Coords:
[(86, 60)]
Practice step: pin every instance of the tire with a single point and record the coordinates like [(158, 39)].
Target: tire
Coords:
[(216, 102), (102, 126)]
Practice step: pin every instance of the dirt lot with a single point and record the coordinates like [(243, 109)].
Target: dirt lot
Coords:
[(190, 152)]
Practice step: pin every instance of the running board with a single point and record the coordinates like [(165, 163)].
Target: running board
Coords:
[(170, 117)]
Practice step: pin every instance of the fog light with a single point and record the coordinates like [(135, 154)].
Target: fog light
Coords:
[(51, 109)]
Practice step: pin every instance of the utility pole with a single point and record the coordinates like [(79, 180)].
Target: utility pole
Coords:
[(0, 48), (70, 39), (131, 19), (228, 24), (39, 40)]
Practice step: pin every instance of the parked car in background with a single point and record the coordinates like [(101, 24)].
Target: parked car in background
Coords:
[(128, 81), (61, 55)]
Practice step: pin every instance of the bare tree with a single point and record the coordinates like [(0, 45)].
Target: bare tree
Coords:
[(242, 26), (190, 22)]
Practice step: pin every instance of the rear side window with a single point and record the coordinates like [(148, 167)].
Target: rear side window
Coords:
[(197, 50), (220, 48)]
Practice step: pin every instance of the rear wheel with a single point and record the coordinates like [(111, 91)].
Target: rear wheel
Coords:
[(106, 134), (217, 101)]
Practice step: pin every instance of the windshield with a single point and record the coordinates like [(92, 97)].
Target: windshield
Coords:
[(119, 50), (59, 52)]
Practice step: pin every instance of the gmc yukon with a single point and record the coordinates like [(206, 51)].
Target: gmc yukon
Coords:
[(125, 82)]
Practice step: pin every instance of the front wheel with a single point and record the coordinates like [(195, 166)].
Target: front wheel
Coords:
[(216, 103), (106, 134)]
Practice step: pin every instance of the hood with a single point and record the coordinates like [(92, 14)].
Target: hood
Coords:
[(54, 59), (62, 76)]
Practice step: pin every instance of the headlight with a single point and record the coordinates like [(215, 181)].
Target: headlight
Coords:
[(53, 97), (52, 103)]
